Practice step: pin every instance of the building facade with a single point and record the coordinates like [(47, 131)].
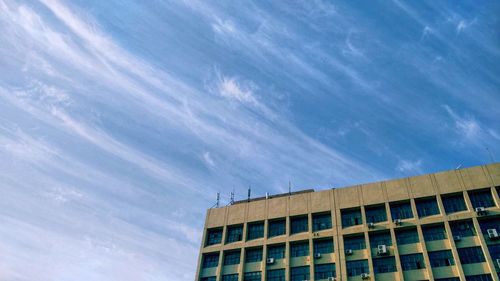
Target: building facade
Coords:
[(443, 226)]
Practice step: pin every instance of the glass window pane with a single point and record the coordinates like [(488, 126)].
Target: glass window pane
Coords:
[(299, 249), (255, 230), (351, 217), (276, 228), (434, 232), (454, 203), (401, 210), (299, 224), (322, 221), (481, 198), (234, 233), (354, 242), (427, 207), (407, 236), (375, 214), (384, 265)]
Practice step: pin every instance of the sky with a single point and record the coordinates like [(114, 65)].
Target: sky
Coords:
[(121, 120)]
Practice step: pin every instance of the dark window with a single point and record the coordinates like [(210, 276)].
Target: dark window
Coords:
[(253, 255), (471, 255), (401, 210), (211, 278), (355, 268), (230, 277), (481, 198), (495, 255), (323, 246), (276, 252), (427, 207), (276, 228), (492, 223), (480, 277), (462, 228), (214, 236), (276, 275), (210, 260), (448, 279), (355, 242), (441, 258), (407, 236), (299, 273), (299, 224), (434, 232), (322, 221), (323, 271), (234, 233), (351, 217), (376, 213), (255, 230), (453, 203), (383, 265), (299, 249), (252, 276), (380, 238), (412, 261), (232, 257)]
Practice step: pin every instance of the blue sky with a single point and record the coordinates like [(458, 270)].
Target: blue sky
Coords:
[(120, 120)]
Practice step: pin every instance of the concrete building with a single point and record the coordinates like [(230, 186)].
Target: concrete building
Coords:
[(443, 226)]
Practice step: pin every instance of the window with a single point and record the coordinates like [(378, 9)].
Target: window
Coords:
[(355, 242), (383, 265), (480, 277), (434, 232), (351, 217), (495, 255), (454, 203), (255, 230), (441, 258), (407, 236), (234, 233), (276, 252), (276, 275), (323, 271), (214, 236), (253, 255), (322, 221), (299, 273), (481, 198), (355, 268), (211, 278), (493, 223), (252, 276), (380, 238), (462, 228), (376, 213), (232, 258), (427, 207), (210, 260), (323, 246), (276, 228), (448, 279), (299, 249), (230, 277), (412, 261), (299, 224), (401, 210), (471, 255)]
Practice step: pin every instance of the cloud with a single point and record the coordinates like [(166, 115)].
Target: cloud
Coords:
[(466, 126), (231, 88), (409, 167)]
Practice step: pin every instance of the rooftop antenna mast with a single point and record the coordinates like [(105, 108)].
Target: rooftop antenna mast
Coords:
[(232, 197), (491, 155), (249, 193), (218, 199), (289, 188)]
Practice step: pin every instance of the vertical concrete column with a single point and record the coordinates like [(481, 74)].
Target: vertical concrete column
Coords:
[(424, 252), (454, 251), (287, 245)]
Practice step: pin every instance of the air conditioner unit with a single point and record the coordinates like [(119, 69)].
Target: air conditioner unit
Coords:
[(498, 263), (480, 211), (381, 250), (332, 279), (365, 276), (492, 234), (371, 225), (457, 238), (397, 221), (317, 255), (348, 252), (315, 234), (270, 260)]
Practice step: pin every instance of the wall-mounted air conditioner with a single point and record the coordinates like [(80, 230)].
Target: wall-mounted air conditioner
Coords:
[(381, 250)]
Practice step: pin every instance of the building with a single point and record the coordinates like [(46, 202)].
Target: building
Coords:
[(443, 226)]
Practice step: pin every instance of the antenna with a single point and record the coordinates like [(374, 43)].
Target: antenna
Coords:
[(267, 195), (458, 167), (232, 197), (218, 199), (491, 155), (289, 188), (249, 193)]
